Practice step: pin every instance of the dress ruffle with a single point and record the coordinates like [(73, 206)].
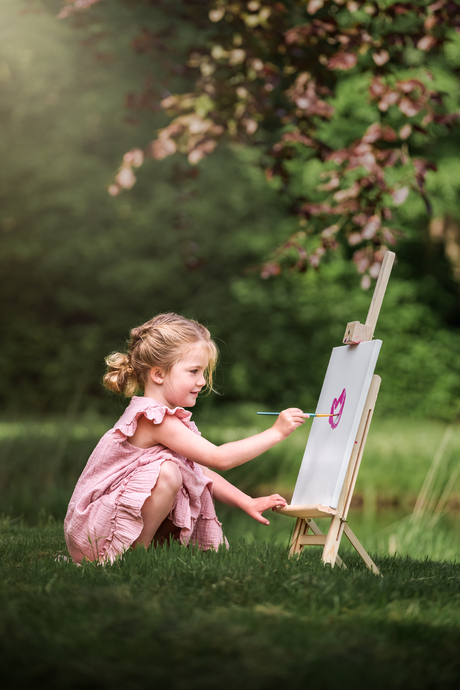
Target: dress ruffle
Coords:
[(104, 515), (127, 522), (153, 411)]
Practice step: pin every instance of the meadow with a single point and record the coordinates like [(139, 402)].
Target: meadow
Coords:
[(250, 616), (40, 461)]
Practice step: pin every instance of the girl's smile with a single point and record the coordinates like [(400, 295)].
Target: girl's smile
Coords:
[(182, 384)]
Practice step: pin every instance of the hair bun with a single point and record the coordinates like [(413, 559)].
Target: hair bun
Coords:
[(160, 342), (120, 376)]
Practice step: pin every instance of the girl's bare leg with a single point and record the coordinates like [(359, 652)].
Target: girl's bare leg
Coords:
[(157, 507)]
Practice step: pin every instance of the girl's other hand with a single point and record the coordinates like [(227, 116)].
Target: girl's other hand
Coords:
[(288, 421), (256, 506)]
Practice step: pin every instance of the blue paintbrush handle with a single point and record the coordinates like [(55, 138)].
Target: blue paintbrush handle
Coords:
[(310, 414)]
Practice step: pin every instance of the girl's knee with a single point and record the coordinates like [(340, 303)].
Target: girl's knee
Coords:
[(170, 476)]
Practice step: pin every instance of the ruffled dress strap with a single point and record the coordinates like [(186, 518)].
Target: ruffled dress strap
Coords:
[(141, 406)]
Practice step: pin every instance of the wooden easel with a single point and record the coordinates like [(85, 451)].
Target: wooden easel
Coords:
[(306, 531)]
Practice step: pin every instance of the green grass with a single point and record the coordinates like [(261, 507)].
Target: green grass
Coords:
[(249, 617), (40, 461), (246, 618)]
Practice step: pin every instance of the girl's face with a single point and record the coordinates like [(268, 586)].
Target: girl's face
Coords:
[(185, 380)]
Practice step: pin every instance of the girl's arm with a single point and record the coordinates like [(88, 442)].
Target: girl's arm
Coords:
[(229, 494), (173, 434)]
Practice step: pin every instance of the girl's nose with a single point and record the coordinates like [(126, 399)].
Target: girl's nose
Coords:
[(201, 382)]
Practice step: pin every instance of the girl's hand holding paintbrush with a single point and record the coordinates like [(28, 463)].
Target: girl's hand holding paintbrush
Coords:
[(288, 420)]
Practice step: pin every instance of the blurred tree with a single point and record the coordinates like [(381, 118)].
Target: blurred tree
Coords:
[(347, 103), (78, 267)]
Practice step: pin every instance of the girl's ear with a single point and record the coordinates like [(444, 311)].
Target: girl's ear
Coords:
[(157, 375)]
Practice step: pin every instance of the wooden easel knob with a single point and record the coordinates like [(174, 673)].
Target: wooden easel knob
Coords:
[(357, 332)]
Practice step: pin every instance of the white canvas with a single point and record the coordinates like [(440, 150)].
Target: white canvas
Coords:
[(330, 443)]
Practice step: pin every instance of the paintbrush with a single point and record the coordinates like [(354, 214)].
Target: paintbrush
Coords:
[(310, 414)]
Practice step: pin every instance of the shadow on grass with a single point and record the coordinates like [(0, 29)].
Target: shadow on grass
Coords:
[(249, 617)]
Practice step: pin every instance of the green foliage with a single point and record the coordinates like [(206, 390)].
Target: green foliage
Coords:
[(418, 361), (365, 92), (79, 268)]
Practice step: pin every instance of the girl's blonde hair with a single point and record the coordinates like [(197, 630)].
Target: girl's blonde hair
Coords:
[(160, 342)]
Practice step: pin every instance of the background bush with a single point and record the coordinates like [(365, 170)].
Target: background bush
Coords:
[(79, 268)]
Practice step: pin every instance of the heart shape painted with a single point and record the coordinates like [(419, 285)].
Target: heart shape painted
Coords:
[(337, 409)]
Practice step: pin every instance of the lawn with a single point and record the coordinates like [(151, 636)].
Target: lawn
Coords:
[(46, 456), (40, 461), (248, 617)]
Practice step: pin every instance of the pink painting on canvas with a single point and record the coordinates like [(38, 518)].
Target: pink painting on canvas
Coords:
[(337, 408)]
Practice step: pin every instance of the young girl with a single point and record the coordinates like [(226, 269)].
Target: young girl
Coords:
[(151, 477)]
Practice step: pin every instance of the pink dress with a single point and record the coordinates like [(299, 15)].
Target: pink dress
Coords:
[(104, 514)]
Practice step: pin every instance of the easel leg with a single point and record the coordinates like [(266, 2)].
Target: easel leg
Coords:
[(316, 530), (331, 547), (361, 550), (299, 529)]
